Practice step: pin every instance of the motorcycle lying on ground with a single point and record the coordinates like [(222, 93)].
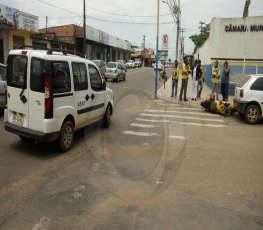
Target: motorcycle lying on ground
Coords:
[(163, 76), (215, 106)]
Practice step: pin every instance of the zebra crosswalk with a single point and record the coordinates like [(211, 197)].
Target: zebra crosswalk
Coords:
[(149, 122)]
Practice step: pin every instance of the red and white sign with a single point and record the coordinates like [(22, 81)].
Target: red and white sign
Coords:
[(165, 41)]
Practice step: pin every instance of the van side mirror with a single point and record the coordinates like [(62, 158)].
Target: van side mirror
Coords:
[(104, 85)]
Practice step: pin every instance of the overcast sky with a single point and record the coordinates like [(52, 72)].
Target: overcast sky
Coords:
[(109, 15)]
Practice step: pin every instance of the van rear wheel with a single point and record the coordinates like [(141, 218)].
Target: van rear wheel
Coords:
[(66, 136)]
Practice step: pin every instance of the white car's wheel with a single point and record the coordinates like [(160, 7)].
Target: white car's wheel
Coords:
[(106, 118), (252, 114)]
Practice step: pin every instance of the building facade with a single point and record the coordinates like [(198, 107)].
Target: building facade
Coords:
[(237, 40)]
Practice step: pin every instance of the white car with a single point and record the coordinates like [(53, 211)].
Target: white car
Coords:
[(51, 94), (115, 71), (130, 64), (158, 65), (249, 98), (2, 86)]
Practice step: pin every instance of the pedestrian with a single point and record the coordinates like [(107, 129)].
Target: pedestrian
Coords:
[(194, 81), (225, 81), (200, 81), (215, 79), (175, 79), (185, 74)]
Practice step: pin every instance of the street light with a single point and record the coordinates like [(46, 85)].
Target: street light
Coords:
[(176, 12)]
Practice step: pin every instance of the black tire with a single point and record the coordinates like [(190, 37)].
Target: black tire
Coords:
[(66, 136), (118, 79), (105, 79), (252, 114), (106, 118), (124, 78)]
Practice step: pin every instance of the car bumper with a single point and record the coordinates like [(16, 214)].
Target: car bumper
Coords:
[(240, 105), (31, 134), (111, 75)]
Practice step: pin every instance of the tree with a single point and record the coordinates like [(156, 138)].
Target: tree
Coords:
[(199, 39)]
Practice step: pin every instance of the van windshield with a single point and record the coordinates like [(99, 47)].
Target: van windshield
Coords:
[(17, 71)]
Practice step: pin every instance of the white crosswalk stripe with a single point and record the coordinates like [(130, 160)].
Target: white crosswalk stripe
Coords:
[(183, 117), (182, 123), (174, 115)]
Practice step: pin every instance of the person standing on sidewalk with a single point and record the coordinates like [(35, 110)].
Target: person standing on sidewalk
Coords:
[(194, 81), (185, 73), (175, 79), (200, 81), (225, 81), (215, 79)]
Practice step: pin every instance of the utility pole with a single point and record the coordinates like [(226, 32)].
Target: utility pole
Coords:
[(46, 24), (84, 29), (178, 13), (182, 42), (144, 53), (201, 26)]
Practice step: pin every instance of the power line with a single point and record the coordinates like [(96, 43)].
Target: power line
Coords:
[(126, 15)]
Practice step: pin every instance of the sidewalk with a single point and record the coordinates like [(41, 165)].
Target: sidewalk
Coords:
[(165, 93)]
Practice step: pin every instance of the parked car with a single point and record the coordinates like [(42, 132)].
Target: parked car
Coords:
[(101, 65), (2, 85), (249, 98), (124, 64), (137, 63), (115, 71), (130, 64), (158, 65), (51, 94)]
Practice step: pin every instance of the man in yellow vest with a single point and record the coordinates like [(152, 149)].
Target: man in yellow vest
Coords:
[(175, 79), (186, 70), (215, 79)]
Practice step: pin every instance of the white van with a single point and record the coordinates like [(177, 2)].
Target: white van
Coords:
[(50, 94)]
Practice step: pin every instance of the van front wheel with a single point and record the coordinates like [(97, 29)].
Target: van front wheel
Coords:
[(66, 136), (106, 118)]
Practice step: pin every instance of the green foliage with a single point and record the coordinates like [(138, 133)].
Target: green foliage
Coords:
[(199, 39)]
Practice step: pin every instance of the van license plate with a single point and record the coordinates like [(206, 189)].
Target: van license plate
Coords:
[(18, 118)]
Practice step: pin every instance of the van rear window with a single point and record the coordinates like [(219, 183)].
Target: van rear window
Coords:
[(17, 71), (36, 75)]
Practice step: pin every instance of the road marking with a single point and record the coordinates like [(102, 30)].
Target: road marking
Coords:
[(144, 134), (180, 112), (178, 137), (182, 123), (184, 117), (141, 125)]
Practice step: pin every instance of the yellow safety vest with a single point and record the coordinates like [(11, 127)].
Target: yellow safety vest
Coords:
[(175, 73), (185, 71), (215, 75)]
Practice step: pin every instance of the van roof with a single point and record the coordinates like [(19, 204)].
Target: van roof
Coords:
[(47, 53)]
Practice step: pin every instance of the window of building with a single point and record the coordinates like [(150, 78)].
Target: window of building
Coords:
[(39, 44), (18, 41)]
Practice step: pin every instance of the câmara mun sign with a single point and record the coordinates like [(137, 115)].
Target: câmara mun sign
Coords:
[(243, 28)]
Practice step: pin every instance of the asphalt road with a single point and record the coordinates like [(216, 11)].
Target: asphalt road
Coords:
[(159, 166)]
